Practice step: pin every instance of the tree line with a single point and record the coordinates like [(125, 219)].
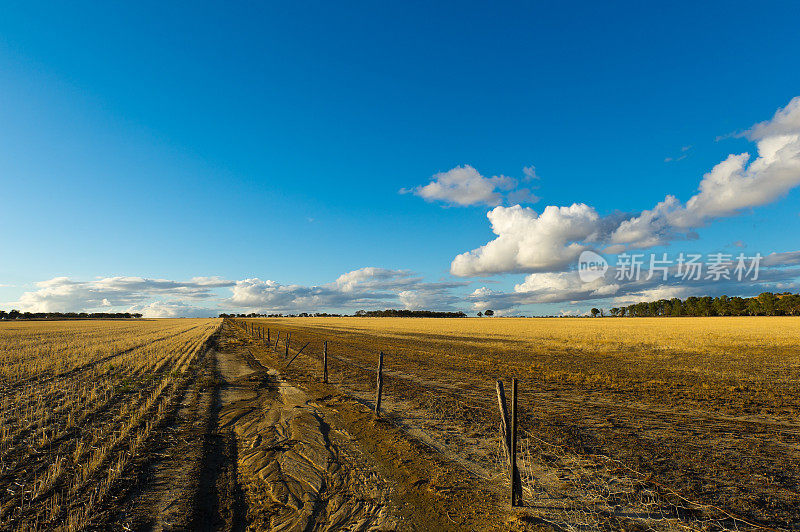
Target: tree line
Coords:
[(764, 304), (397, 313), (17, 315), (389, 313)]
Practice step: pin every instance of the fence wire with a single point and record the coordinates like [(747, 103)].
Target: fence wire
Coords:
[(571, 491)]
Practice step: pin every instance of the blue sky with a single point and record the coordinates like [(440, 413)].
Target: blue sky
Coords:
[(266, 146)]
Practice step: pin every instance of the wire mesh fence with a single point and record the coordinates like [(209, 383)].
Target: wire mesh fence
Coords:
[(569, 489)]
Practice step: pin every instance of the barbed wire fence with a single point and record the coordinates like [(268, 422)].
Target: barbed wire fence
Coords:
[(571, 491)]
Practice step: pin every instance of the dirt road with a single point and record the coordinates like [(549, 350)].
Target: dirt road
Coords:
[(245, 449)]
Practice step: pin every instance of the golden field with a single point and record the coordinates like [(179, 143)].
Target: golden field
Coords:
[(705, 407), (747, 351), (77, 398), (623, 420)]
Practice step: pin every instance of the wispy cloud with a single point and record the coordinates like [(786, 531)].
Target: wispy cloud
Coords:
[(683, 155)]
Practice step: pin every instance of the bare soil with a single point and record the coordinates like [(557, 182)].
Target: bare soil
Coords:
[(255, 446)]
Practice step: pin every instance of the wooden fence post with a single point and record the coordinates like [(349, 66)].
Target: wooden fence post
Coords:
[(504, 423), (380, 385), (288, 337), (516, 484), (268, 338), (325, 362)]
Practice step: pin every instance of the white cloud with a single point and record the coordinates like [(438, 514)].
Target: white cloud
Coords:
[(62, 294), (527, 242), (371, 277), (530, 172), (464, 185), (419, 300), (730, 187), (557, 287), (175, 309), (782, 259), (563, 286), (654, 294), (365, 287)]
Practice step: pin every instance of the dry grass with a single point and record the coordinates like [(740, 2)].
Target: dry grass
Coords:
[(703, 407), (699, 357), (78, 398)]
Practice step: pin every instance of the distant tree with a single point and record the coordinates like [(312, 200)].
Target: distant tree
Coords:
[(489, 312), (595, 312), (789, 304), (767, 301), (480, 314), (722, 306), (738, 306), (614, 311)]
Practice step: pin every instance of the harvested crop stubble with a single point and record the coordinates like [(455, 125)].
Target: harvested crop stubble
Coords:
[(78, 399), (702, 411)]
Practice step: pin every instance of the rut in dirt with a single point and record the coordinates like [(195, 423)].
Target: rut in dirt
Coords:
[(297, 472), (186, 480)]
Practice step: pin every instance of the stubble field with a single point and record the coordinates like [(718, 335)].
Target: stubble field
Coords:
[(625, 424), (628, 423), (77, 401)]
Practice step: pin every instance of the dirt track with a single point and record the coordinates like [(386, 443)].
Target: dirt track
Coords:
[(245, 449)]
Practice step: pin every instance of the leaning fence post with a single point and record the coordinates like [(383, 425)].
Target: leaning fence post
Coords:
[(516, 484), (277, 339), (380, 384), (325, 362), (504, 424)]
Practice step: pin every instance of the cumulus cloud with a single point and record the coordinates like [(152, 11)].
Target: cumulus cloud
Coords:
[(373, 278), (365, 287), (464, 185), (174, 309), (733, 185), (529, 242), (560, 287), (62, 294)]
